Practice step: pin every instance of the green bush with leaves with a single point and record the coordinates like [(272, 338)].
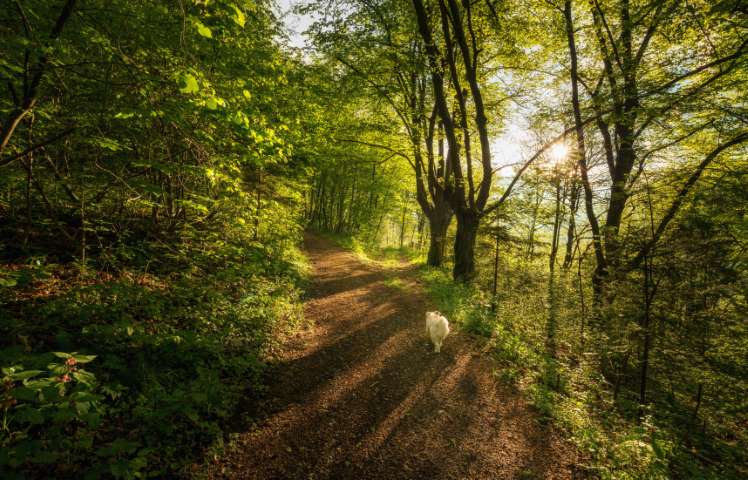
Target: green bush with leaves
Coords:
[(175, 356), (153, 222), (49, 416)]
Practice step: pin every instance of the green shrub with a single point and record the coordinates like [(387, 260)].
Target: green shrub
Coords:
[(177, 350), (49, 416)]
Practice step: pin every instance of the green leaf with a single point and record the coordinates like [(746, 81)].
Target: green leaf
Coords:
[(61, 355), (239, 17), (58, 369), (82, 407), (84, 358), (40, 383), (45, 457), (25, 374), (203, 30), (190, 84), (85, 442), (28, 415), (25, 394), (64, 415), (108, 143), (84, 377)]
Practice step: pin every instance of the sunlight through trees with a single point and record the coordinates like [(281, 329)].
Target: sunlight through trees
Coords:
[(571, 174)]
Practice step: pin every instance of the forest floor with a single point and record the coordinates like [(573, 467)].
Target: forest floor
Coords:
[(361, 395)]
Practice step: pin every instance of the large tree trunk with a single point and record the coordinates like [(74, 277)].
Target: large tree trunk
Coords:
[(439, 220), (467, 232), (600, 260), (457, 23)]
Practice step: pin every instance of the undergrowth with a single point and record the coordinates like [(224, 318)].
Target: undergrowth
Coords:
[(172, 337), (566, 388)]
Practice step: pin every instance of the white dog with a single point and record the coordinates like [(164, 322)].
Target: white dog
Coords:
[(437, 328)]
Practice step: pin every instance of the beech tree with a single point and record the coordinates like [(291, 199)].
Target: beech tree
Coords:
[(637, 97)]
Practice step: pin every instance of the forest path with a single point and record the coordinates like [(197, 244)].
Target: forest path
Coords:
[(362, 396)]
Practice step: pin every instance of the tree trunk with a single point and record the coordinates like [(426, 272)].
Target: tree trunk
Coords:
[(29, 164), (531, 235), (571, 230), (439, 221), (467, 233), (583, 306), (83, 227), (421, 229), (340, 218), (556, 229), (258, 207), (649, 293), (402, 226), (552, 324), (600, 260), (699, 393), (494, 289), (379, 226)]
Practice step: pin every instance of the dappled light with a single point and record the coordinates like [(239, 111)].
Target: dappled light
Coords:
[(381, 239), (365, 395)]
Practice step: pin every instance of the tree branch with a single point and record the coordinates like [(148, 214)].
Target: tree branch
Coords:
[(378, 145), (680, 198), (44, 143), (31, 92)]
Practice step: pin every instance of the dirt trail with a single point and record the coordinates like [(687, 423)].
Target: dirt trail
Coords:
[(361, 396)]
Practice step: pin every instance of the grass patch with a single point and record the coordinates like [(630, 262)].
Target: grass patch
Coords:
[(394, 283), (462, 304)]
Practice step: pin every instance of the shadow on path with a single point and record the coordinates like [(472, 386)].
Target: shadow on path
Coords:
[(365, 398)]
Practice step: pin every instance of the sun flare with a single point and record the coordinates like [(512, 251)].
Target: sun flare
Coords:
[(558, 152)]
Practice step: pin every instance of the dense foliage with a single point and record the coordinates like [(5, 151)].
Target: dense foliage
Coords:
[(160, 161), (150, 221)]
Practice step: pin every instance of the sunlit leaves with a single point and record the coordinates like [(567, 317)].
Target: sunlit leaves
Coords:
[(213, 102), (189, 84), (202, 29), (238, 16), (110, 144)]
